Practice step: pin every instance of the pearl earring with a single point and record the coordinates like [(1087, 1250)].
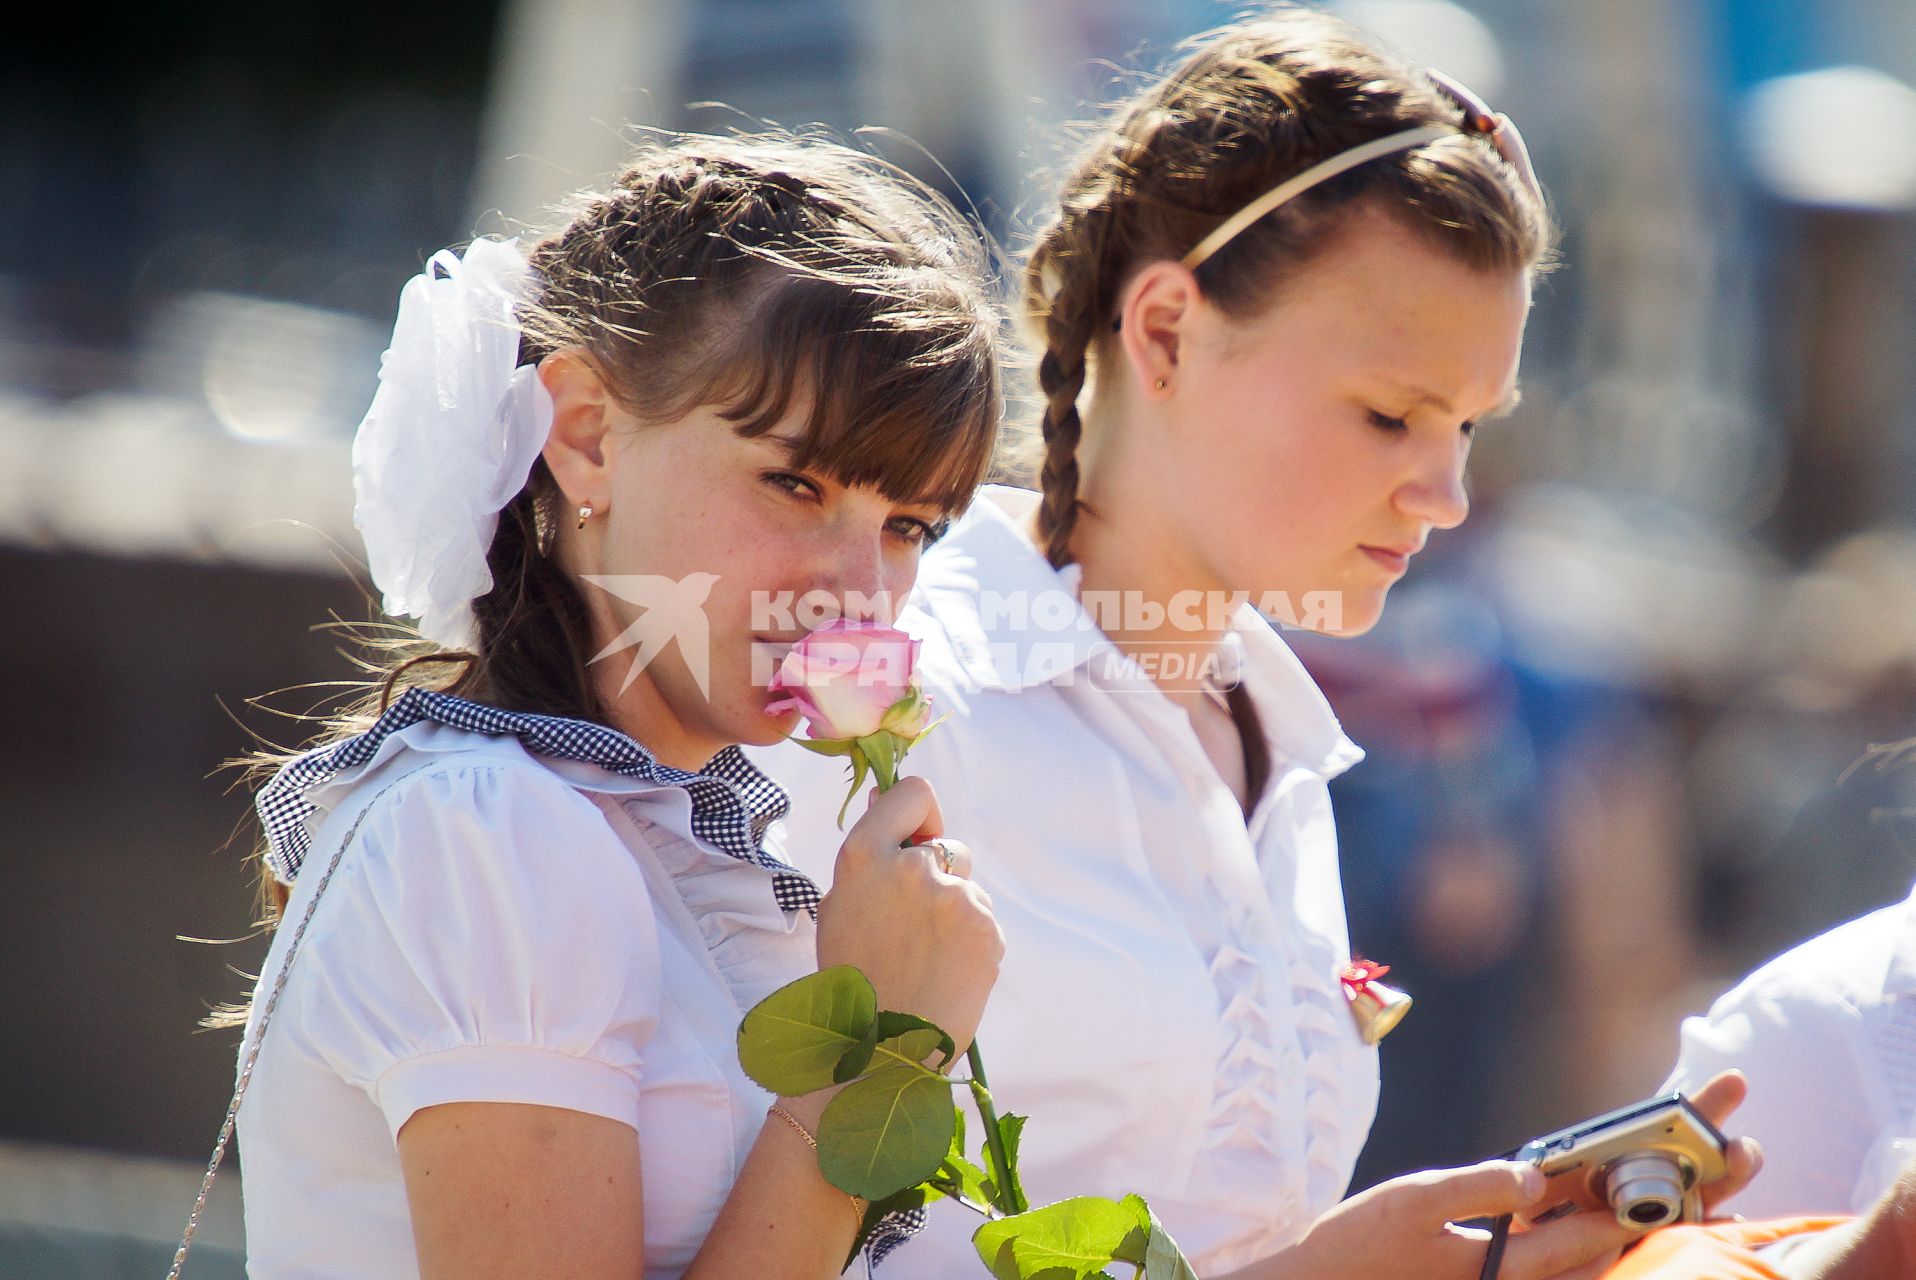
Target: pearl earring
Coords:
[(585, 514)]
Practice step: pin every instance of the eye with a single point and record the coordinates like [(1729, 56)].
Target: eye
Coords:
[(919, 533), (796, 485), (1385, 422)]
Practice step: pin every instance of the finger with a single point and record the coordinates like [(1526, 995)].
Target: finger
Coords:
[(904, 815), (1557, 1246), (956, 860), (1718, 1099), (1487, 1190), (932, 825), (1745, 1158), (1721, 1095)]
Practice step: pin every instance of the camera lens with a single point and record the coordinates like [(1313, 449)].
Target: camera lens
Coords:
[(1646, 1190)]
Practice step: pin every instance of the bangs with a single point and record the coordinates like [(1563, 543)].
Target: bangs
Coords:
[(900, 390)]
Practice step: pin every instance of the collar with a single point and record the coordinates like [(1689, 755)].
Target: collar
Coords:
[(732, 801), (1015, 623)]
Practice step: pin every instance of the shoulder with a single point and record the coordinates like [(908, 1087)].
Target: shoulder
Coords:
[(1814, 1002), (442, 773), (475, 861), (464, 817), (1845, 968)]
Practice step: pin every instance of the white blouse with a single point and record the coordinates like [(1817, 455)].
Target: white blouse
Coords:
[(1169, 1011), (1826, 1034), (505, 927)]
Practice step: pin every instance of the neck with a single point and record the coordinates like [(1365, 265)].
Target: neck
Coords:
[(1155, 600), (640, 713), (640, 709)]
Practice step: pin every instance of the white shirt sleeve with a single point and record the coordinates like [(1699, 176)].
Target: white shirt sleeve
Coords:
[(489, 938), (1813, 1101)]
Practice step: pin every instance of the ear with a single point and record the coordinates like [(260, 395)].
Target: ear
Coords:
[(1155, 326), (575, 451)]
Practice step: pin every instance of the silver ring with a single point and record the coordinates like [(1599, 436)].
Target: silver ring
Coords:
[(938, 846)]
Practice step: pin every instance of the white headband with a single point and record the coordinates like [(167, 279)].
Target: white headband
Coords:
[(1479, 120), (452, 433), (1322, 171)]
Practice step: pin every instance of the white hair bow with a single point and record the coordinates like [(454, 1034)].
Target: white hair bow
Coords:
[(450, 438)]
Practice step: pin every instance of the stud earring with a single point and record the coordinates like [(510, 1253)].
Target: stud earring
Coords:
[(1160, 384), (585, 514)]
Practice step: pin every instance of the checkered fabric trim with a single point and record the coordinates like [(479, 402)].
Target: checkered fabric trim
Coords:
[(893, 1230), (732, 801)]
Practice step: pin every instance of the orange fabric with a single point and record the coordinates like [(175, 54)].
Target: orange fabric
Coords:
[(1718, 1251)]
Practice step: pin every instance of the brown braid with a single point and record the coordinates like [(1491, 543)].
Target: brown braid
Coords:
[(1070, 323), (1250, 105)]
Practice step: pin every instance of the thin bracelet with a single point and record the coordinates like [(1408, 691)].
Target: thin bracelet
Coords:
[(859, 1204)]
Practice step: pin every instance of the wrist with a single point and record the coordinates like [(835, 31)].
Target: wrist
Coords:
[(809, 1108), (804, 1126)]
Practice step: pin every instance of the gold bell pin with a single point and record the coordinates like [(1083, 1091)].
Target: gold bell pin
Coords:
[(1377, 1008)]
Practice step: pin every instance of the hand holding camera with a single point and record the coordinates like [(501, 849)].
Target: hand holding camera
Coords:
[(1646, 1164), (1407, 1226), (1633, 1170)]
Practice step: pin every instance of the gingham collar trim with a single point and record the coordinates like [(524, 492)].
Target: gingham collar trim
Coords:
[(733, 802)]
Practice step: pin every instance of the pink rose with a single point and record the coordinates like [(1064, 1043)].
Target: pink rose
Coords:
[(846, 679)]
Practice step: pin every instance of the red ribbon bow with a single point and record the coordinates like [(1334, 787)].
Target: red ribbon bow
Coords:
[(1360, 973)]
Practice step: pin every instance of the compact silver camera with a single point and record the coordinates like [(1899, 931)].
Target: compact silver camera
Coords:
[(1646, 1163)]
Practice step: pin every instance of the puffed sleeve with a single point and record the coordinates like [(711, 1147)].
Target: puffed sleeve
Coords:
[(1805, 1052), (488, 938)]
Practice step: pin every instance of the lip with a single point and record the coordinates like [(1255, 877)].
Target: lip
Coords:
[(769, 650), (1395, 559)]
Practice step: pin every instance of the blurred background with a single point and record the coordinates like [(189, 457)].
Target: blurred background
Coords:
[(1612, 721)]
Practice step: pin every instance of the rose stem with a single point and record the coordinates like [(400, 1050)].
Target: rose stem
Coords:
[(1012, 1202)]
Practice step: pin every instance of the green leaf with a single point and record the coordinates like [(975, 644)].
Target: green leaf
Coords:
[(1070, 1240), (900, 714), (1140, 1211), (927, 729), (1163, 1260), (882, 751), (792, 1041), (826, 746), (1010, 1129), (858, 1057), (904, 1035), (959, 1178), (860, 767), (886, 1132)]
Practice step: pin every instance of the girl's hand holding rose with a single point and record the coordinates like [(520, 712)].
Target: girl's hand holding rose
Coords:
[(908, 917), (925, 938)]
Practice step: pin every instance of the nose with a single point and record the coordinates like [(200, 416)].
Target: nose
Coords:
[(852, 568), (1434, 492)]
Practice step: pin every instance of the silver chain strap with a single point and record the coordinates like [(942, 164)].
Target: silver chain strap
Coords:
[(259, 1038)]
